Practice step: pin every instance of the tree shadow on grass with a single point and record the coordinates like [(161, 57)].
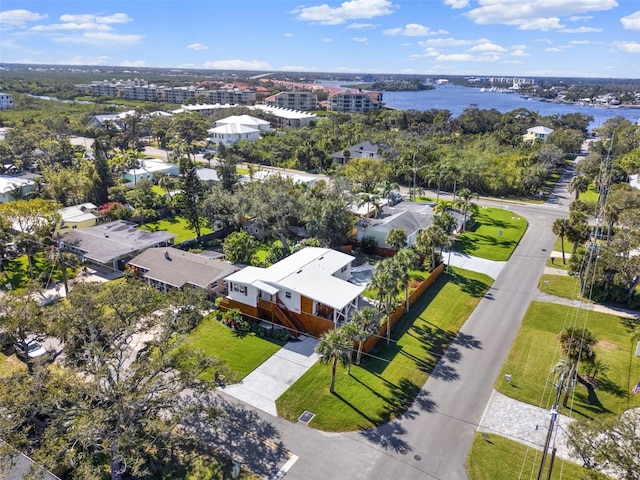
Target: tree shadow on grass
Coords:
[(245, 436), (473, 287), (405, 398)]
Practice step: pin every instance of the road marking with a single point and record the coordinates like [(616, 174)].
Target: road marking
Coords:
[(285, 468), (550, 205)]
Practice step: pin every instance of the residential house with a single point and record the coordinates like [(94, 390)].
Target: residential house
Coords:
[(307, 291), (112, 244), (208, 175), (6, 101), (537, 133), (410, 217), (286, 117), (167, 268), (149, 169), (346, 102), (295, 100), (228, 134), (365, 149), (78, 216), (245, 120), (13, 187), (115, 120)]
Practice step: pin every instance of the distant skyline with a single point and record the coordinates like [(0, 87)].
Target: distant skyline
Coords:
[(563, 38)]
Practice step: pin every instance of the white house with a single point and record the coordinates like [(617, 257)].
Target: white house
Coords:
[(537, 133), (6, 101), (245, 120), (311, 283), (228, 134), (14, 187), (78, 216), (149, 169), (288, 117)]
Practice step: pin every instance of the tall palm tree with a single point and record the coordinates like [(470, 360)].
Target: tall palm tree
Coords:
[(577, 345), (406, 259), (561, 228), (464, 202), (334, 346), (397, 239), (385, 279), (364, 324), (579, 184)]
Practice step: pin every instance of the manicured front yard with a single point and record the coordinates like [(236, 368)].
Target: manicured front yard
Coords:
[(536, 351), (177, 225), (386, 384), (241, 353), (493, 234), (498, 458), (561, 286), (16, 272)]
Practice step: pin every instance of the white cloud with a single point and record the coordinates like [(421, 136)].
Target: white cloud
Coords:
[(487, 47), (413, 30), (429, 52), (133, 63), (512, 62), (327, 40), (88, 18), (580, 18), (70, 26), (519, 52), (288, 35), (631, 22), (554, 49), (447, 42), (19, 17), (581, 42), (544, 40), (628, 47), (350, 10), (101, 39), (581, 30), (237, 64), (362, 26), (197, 46), (360, 39), (467, 57), (534, 14), (457, 3)]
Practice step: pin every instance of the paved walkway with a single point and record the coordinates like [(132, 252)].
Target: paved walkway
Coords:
[(523, 423), (262, 387), (475, 264)]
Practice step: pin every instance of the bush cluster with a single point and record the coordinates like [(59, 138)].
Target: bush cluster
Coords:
[(234, 319)]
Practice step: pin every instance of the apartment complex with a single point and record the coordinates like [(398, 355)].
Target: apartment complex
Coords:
[(139, 89), (355, 102), (293, 100)]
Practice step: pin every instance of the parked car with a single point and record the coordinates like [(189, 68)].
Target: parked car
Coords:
[(34, 350)]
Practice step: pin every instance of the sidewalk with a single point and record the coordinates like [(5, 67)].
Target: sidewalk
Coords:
[(475, 264), (262, 387)]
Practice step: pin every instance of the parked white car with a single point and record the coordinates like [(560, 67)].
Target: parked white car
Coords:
[(33, 350)]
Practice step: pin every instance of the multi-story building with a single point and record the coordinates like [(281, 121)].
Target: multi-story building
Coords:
[(293, 100), (6, 101), (355, 102), (231, 96)]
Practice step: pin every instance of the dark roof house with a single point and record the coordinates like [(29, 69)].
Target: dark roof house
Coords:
[(364, 149)]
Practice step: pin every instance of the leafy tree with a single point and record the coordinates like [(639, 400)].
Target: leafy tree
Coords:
[(227, 169), (226, 209), (190, 129), (109, 413), (239, 247), (609, 445), (579, 184), (192, 191), (334, 346), (366, 173), (365, 323), (561, 227), (577, 345), (429, 244), (397, 238), (35, 220), (568, 140)]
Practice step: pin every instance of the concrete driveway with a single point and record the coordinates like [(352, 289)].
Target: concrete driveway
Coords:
[(265, 384)]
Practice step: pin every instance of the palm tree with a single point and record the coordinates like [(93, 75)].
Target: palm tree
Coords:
[(579, 184), (561, 227), (333, 347), (364, 324), (406, 259), (429, 241), (576, 345), (464, 201), (396, 238), (385, 279)]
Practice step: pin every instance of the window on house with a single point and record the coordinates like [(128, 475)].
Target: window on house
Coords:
[(343, 269), (287, 294)]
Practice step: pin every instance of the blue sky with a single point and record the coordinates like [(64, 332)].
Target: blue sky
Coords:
[(585, 38)]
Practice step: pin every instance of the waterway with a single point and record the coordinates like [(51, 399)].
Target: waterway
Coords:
[(456, 98)]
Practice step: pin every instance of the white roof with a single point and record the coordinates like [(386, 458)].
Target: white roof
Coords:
[(78, 213), (231, 128), (309, 272), (247, 120), (634, 181), (9, 184), (151, 165), (287, 113), (297, 178), (540, 130)]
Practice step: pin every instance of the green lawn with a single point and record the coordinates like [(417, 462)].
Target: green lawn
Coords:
[(560, 286), (493, 234), (177, 225), (16, 272), (590, 196), (536, 351), (241, 353), (387, 383), (498, 458)]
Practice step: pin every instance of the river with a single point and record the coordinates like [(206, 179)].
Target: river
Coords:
[(456, 98)]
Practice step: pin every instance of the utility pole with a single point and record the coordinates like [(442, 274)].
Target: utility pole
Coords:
[(553, 418)]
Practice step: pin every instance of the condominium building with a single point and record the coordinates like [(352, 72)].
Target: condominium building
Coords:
[(6, 101), (355, 102), (293, 100)]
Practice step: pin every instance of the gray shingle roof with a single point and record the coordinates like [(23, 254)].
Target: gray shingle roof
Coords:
[(178, 268)]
